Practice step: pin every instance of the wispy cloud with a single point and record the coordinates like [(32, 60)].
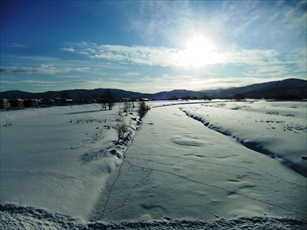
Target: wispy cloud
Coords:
[(141, 55), (130, 74), (37, 82), (82, 69), (262, 23), (161, 20), (171, 57), (251, 57), (7, 82), (16, 45), (43, 69), (68, 49), (268, 71)]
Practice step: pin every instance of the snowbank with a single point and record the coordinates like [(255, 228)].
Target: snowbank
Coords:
[(59, 158), (278, 129)]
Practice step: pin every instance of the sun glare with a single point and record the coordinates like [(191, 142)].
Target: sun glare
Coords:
[(198, 52)]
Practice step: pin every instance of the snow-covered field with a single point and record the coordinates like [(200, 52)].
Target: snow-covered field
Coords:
[(205, 165)]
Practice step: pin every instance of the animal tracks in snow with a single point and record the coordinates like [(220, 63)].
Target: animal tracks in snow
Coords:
[(229, 193), (204, 168), (146, 173)]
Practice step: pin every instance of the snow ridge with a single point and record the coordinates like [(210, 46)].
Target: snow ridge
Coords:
[(280, 128), (251, 145), (135, 127), (25, 217)]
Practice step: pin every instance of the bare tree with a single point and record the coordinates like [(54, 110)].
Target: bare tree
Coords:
[(108, 99), (121, 128), (126, 107), (143, 109)]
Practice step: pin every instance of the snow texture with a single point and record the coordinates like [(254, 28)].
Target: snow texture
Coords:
[(234, 165)]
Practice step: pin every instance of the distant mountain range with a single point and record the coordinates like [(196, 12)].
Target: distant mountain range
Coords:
[(284, 89)]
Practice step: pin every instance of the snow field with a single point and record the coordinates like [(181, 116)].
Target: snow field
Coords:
[(62, 168)]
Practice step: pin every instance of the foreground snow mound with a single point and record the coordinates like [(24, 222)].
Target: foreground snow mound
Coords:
[(25, 217), (277, 129), (21, 217)]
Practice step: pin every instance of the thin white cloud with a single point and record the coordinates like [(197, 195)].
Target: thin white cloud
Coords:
[(130, 74), (66, 77), (37, 82), (43, 69), (7, 82), (16, 45), (156, 20), (82, 69), (152, 56), (75, 64), (301, 66), (268, 71), (171, 57), (68, 50), (279, 24), (31, 59), (251, 57)]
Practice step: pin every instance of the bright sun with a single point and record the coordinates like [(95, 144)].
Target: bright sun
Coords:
[(198, 52)]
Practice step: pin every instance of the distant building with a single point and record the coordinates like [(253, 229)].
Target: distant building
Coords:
[(6, 103), (125, 99), (30, 102), (16, 103), (69, 100), (19, 103)]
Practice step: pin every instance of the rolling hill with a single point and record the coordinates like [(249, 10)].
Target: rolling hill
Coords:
[(284, 89)]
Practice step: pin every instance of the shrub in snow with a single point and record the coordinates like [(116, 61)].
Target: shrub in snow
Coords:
[(129, 135), (119, 109), (121, 128), (126, 107), (85, 120), (143, 109)]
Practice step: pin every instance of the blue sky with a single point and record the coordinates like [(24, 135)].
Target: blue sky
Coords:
[(150, 46)]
